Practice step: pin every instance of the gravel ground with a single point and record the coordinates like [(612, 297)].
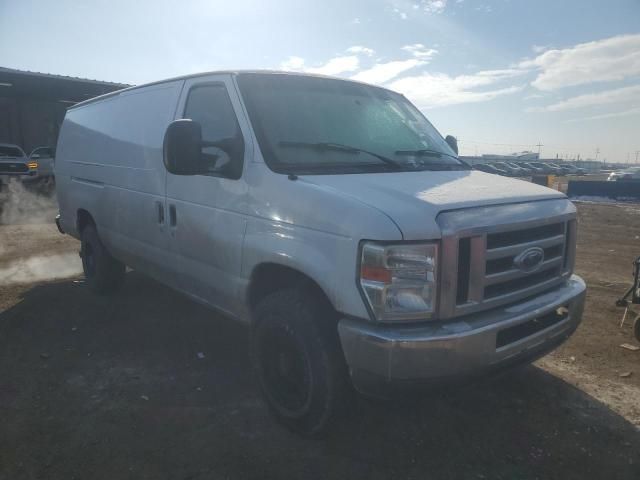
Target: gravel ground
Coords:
[(116, 388)]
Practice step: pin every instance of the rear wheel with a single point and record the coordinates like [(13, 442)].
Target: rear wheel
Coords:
[(103, 273), (298, 360)]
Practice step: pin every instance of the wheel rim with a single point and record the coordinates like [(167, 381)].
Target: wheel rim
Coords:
[(88, 260), (286, 371)]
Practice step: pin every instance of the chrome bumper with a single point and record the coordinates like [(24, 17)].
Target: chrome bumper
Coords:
[(467, 346), (58, 225)]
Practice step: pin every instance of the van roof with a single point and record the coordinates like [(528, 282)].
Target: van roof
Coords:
[(215, 72)]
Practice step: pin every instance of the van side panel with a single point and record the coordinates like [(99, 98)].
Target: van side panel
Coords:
[(110, 164)]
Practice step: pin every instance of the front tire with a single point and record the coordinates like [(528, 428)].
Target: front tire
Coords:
[(298, 360), (103, 273)]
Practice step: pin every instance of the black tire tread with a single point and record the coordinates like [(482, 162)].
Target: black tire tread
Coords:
[(109, 274), (305, 310)]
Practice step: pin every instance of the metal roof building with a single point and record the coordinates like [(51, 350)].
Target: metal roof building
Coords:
[(32, 104)]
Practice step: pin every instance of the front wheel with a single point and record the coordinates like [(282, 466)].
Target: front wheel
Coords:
[(103, 273), (298, 360)]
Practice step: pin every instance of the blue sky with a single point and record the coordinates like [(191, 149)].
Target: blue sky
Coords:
[(501, 75)]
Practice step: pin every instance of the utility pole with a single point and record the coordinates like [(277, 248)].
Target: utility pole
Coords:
[(539, 144), (597, 152), (637, 152)]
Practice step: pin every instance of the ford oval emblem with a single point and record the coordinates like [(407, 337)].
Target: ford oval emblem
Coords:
[(529, 260)]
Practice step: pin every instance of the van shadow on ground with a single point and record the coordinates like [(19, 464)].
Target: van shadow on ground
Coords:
[(111, 388)]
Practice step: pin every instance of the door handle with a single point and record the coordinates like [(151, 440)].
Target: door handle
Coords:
[(160, 209), (173, 220)]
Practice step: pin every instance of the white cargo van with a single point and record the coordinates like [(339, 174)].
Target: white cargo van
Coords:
[(329, 215)]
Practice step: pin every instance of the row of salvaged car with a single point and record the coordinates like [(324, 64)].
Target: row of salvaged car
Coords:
[(628, 174), (14, 163), (526, 169)]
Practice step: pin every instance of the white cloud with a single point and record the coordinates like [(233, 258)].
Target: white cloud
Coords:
[(358, 49), (533, 96), (335, 66), (400, 13), (539, 48), (433, 6), (418, 50), (438, 89), (383, 72), (293, 63), (484, 8), (614, 58), (624, 95), (624, 113)]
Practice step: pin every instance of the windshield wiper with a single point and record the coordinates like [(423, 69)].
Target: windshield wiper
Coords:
[(339, 147), (445, 166), (425, 152), (422, 152), (428, 152)]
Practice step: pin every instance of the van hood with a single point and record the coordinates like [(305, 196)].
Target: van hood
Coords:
[(414, 199)]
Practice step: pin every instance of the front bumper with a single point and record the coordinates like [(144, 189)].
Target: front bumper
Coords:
[(29, 176), (463, 347)]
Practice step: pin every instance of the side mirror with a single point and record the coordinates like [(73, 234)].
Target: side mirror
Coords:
[(182, 147), (452, 142)]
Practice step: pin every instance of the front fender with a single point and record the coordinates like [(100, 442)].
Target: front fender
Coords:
[(328, 259)]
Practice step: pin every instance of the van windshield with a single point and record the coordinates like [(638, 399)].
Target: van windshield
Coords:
[(318, 125)]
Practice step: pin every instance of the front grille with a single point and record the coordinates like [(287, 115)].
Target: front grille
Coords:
[(502, 275), (484, 259), (13, 167)]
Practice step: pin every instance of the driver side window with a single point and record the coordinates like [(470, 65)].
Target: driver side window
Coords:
[(222, 142)]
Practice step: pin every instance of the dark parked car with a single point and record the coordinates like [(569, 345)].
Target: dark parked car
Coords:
[(546, 168), (533, 169), (519, 171), (573, 170), (14, 164), (45, 158), (488, 168), (562, 169), (512, 172)]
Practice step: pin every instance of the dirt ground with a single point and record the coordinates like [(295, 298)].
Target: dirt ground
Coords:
[(147, 384)]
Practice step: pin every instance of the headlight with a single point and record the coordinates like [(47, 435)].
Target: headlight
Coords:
[(32, 164), (399, 281)]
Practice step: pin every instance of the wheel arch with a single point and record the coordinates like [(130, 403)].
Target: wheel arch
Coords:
[(270, 277), (83, 218)]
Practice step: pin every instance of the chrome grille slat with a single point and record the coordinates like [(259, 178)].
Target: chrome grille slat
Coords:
[(506, 298), (513, 250), (514, 273)]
